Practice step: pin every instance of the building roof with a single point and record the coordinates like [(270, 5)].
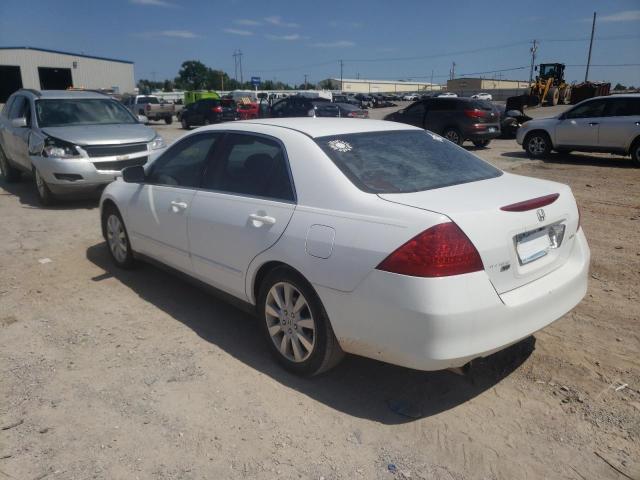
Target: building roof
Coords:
[(82, 55), (392, 82)]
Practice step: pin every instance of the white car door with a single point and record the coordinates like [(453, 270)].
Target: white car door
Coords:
[(17, 138), (621, 123), (579, 126), (157, 213), (244, 206)]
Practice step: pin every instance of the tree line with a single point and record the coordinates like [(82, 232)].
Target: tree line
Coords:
[(195, 75)]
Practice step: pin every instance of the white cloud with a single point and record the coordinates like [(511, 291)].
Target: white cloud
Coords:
[(626, 16), (288, 38), (247, 22), (278, 22), (236, 31), (153, 3), (336, 44), (178, 33), (168, 33)]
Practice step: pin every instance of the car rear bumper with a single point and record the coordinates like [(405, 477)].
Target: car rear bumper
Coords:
[(482, 132), (437, 323)]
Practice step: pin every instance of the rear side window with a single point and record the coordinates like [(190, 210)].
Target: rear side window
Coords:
[(442, 105), (144, 100), (403, 161), (252, 165), (623, 107)]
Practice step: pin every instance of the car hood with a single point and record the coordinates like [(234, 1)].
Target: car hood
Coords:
[(541, 122), (102, 134)]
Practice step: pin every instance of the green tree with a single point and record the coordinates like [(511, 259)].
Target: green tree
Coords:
[(193, 75), (619, 86)]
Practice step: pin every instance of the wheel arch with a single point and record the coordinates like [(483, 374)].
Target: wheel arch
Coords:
[(539, 130), (105, 204), (633, 143), (261, 273)]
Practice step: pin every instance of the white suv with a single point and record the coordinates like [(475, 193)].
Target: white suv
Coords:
[(602, 124)]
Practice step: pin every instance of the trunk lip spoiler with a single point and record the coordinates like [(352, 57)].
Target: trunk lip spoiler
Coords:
[(531, 204)]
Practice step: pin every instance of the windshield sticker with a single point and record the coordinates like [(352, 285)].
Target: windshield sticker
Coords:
[(340, 146)]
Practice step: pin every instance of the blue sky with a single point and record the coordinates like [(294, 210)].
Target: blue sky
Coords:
[(284, 40)]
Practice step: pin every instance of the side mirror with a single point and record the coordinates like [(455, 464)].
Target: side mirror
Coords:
[(133, 174), (143, 119), (20, 122)]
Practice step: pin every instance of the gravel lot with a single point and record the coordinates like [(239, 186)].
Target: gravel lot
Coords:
[(139, 375)]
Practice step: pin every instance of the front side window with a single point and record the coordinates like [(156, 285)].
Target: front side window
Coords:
[(591, 109), (403, 161), (93, 111), (18, 107), (183, 163), (252, 165), (417, 109)]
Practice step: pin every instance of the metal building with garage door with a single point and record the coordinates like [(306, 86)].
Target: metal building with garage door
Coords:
[(43, 69)]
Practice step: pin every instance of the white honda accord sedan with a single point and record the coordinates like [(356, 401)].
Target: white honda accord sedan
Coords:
[(368, 237)]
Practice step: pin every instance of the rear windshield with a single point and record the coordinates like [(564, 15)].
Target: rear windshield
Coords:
[(153, 100), (403, 161)]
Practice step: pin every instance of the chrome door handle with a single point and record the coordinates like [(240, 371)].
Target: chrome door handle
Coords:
[(178, 206), (593, 123), (264, 219)]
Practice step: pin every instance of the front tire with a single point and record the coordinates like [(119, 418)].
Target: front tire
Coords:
[(117, 238), (453, 135), (482, 143), (45, 197), (184, 123), (635, 153), (295, 324), (537, 145), (168, 120), (9, 173)]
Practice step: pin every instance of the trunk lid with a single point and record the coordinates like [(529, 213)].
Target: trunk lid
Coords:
[(516, 247)]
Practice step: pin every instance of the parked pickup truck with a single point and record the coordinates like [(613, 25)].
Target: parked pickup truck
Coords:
[(151, 107)]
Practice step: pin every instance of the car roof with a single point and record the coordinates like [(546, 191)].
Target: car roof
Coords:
[(64, 94), (323, 127)]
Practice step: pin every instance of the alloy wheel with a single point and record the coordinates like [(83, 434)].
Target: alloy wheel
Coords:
[(116, 238), (290, 322), (537, 145), (452, 136)]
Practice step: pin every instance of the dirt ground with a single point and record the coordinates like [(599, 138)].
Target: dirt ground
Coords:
[(108, 374)]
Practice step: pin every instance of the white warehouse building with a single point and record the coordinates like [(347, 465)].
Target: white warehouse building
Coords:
[(43, 69)]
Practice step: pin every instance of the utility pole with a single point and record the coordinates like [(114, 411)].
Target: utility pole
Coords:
[(431, 82), (305, 81), (593, 29), (533, 51), (237, 59), (341, 84), (453, 70), (222, 80)]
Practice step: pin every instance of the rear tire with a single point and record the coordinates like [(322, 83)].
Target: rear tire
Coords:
[(482, 143), (45, 197), (295, 324), (115, 233), (553, 96), (537, 145), (453, 135), (9, 173), (168, 120)]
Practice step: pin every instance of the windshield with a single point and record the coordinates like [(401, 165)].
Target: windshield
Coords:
[(94, 111), (403, 161), (153, 100)]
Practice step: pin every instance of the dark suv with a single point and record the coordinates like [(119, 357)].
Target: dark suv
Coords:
[(456, 119)]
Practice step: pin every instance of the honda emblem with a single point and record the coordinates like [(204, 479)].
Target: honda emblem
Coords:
[(541, 215)]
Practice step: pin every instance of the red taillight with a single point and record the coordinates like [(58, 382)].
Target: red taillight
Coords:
[(217, 109), (476, 113), (439, 251), (531, 204)]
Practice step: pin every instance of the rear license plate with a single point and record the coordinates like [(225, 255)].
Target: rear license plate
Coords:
[(492, 129), (537, 243)]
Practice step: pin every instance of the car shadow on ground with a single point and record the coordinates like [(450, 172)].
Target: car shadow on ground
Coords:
[(25, 190), (358, 386), (577, 159)]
